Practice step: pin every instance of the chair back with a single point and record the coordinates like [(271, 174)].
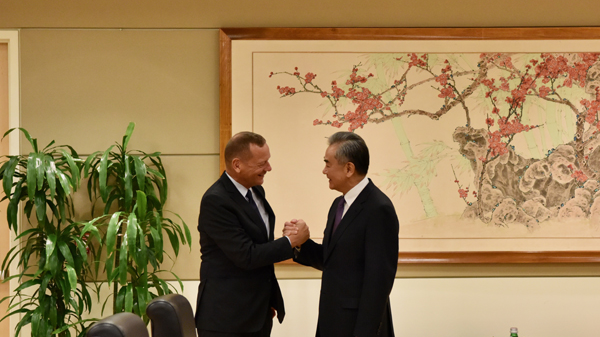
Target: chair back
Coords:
[(123, 324), (171, 316)]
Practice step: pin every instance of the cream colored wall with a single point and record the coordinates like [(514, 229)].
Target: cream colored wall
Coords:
[(83, 87), (83, 78)]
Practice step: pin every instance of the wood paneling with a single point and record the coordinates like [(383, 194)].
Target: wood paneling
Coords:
[(4, 231), (287, 13), (83, 87)]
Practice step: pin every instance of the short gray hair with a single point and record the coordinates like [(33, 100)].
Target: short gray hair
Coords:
[(352, 149)]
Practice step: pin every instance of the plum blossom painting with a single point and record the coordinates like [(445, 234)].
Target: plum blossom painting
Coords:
[(481, 145)]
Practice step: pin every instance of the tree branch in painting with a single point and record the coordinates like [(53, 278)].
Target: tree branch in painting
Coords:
[(497, 91)]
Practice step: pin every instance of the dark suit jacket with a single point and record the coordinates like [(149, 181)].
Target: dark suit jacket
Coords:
[(359, 265), (237, 279)]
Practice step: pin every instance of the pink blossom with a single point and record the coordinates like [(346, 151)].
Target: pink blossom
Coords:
[(309, 77), (446, 92)]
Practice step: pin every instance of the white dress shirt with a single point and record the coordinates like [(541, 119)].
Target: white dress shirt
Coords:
[(261, 207), (351, 195)]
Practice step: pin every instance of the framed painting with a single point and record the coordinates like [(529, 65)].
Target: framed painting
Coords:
[(486, 139)]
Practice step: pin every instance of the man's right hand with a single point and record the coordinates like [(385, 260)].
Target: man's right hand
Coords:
[(297, 231)]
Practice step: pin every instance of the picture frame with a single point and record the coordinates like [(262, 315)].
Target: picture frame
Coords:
[(289, 35)]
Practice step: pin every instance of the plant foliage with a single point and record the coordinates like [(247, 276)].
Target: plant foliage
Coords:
[(52, 252), (133, 187)]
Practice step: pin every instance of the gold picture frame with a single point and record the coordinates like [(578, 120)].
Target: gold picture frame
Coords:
[(229, 35)]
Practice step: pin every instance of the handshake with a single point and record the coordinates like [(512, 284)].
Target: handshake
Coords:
[(297, 231)]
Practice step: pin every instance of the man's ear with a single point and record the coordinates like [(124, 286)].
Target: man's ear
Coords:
[(350, 169), (236, 164)]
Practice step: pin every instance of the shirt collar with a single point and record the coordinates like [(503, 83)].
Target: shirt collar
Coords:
[(243, 190), (355, 191)]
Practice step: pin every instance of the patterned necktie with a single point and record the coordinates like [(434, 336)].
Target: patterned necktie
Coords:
[(338, 214)]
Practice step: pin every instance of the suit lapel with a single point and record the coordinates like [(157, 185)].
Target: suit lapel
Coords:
[(329, 226), (351, 214), (235, 194)]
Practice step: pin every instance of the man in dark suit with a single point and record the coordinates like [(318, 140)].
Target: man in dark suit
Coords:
[(238, 294), (359, 253)]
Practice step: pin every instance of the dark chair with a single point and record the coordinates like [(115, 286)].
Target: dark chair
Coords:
[(171, 316), (123, 324)]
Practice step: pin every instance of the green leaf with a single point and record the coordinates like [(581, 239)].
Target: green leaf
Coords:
[(72, 276), (74, 169), (142, 253), (111, 234), (142, 293), (123, 262), (31, 175), (80, 247), (91, 227), (109, 268), (129, 298), (9, 173), (40, 206), (27, 284), (140, 171), (158, 243), (178, 280), (132, 231), (88, 163), (128, 184), (47, 146), (36, 319), (174, 241), (103, 173), (141, 205), (64, 249), (40, 171), (120, 299), (64, 182), (188, 234), (51, 175), (12, 209), (32, 141), (156, 173), (50, 245), (127, 136)]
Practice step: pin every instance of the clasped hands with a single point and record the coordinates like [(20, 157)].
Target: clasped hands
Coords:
[(297, 231)]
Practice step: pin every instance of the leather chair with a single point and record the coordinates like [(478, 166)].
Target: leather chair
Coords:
[(123, 324), (171, 316)]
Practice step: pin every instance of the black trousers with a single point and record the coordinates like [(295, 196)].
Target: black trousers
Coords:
[(265, 331)]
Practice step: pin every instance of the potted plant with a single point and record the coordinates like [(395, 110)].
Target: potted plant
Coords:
[(133, 187), (52, 251)]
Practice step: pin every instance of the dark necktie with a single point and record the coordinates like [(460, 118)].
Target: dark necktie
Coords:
[(252, 203), (338, 214)]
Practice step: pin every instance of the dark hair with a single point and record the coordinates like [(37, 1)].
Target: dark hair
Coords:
[(352, 149), (239, 145)]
